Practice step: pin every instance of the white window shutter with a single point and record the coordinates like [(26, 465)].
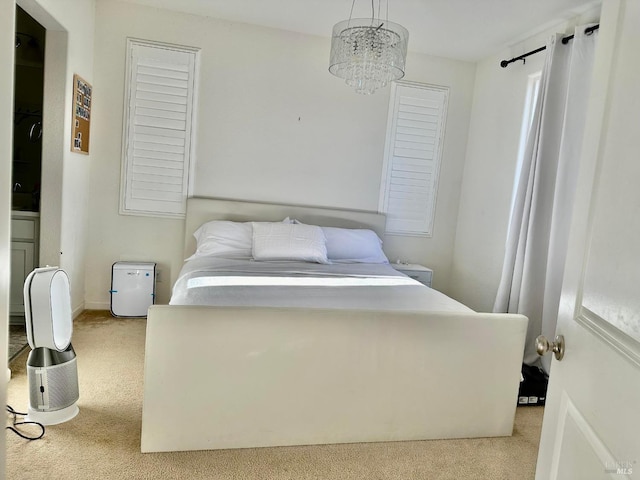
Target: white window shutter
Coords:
[(415, 133), (159, 109)]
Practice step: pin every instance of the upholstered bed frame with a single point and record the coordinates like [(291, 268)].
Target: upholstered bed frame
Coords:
[(237, 377)]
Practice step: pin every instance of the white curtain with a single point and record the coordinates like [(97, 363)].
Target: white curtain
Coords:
[(536, 246)]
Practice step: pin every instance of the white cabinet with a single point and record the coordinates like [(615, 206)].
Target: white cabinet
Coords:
[(418, 272), (25, 228), (22, 263)]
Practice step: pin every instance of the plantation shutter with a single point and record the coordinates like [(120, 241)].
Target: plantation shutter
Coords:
[(157, 128), (415, 132)]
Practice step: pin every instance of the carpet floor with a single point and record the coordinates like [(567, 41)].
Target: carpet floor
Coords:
[(103, 441)]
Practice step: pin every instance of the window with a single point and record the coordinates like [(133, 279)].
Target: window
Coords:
[(415, 133), (157, 138)]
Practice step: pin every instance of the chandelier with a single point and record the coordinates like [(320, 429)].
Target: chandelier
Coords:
[(368, 53)]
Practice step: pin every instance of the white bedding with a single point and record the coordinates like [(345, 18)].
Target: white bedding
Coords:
[(234, 282)]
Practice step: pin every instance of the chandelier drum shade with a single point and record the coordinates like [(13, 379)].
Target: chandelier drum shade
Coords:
[(368, 53)]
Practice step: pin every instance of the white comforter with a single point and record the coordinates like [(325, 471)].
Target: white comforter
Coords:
[(230, 282)]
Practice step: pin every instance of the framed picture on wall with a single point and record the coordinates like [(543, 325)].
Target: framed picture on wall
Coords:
[(81, 115)]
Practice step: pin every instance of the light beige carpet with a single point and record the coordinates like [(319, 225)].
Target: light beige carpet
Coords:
[(103, 441)]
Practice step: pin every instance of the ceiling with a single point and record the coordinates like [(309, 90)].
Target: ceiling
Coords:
[(460, 29)]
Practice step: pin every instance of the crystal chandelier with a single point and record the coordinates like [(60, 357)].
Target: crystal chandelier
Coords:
[(368, 52)]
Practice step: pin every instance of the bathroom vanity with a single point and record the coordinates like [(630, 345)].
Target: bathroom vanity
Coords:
[(25, 234)]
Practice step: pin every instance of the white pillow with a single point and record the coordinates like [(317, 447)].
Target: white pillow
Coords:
[(223, 238), (349, 245), (281, 241)]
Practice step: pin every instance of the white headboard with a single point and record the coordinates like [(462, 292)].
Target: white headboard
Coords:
[(201, 210)]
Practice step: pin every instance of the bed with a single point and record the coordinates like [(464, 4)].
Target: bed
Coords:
[(288, 352)]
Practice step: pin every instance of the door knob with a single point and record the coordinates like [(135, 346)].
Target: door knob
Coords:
[(543, 346)]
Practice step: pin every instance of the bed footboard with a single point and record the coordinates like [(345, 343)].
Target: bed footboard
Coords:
[(235, 377)]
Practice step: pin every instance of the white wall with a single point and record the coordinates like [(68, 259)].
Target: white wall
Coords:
[(492, 150), (65, 174), (7, 19), (272, 125)]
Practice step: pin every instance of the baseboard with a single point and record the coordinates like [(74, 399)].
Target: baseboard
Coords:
[(78, 310)]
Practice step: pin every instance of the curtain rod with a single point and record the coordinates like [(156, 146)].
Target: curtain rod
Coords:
[(565, 40)]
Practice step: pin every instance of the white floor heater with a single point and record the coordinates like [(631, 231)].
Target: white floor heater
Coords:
[(52, 370)]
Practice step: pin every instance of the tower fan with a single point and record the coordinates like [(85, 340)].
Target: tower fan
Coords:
[(52, 371)]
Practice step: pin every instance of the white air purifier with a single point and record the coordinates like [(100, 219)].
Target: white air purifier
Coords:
[(133, 288), (52, 370)]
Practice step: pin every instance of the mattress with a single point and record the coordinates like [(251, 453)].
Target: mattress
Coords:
[(219, 281)]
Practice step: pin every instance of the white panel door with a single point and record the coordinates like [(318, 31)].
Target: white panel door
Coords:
[(591, 427)]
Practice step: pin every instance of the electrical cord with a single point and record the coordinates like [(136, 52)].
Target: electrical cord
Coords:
[(15, 423)]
